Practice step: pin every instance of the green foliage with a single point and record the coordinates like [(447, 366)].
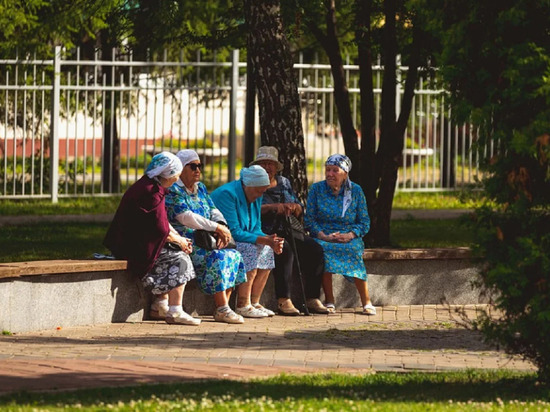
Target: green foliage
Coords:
[(37, 25), (516, 247), (496, 61)]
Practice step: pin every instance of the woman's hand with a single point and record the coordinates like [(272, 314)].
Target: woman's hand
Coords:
[(273, 241), (223, 236), (337, 237), (185, 244)]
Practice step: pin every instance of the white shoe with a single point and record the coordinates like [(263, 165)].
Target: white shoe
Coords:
[(250, 312), (264, 309), (181, 318), (228, 317), (369, 310)]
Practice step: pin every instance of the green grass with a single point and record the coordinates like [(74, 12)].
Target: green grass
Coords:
[(456, 391), (65, 206), (47, 241), (417, 233), (108, 204), (438, 200)]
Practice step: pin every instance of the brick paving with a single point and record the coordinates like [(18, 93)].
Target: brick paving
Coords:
[(399, 338)]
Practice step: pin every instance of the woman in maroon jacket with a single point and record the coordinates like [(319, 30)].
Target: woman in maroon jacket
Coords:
[(141, 234)]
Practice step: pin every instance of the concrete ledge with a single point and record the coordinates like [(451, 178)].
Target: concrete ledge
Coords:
[(64, 293), (50, 294)]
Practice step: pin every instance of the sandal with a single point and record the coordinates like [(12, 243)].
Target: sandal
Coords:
[(286, 308), (369, 310)]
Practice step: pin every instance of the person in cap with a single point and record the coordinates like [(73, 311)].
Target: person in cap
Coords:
[(141, 234), (241, 203), (278, 202), (337, 217), (190, 207)]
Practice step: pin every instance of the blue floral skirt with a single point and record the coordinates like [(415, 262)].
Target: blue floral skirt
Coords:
[(256, 256), (218, 270)]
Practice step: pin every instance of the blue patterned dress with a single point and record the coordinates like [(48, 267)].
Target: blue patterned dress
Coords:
[(324, 213), (216, 270)]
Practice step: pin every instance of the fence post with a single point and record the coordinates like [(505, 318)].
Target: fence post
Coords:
[(398, 87), (54, 126), (232, 149)]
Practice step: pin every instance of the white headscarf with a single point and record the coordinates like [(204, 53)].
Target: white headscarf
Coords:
[(186, 156), (164, 164)]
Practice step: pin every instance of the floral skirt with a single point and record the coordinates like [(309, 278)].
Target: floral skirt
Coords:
[(172, 269), (256, 256), (218, 270)]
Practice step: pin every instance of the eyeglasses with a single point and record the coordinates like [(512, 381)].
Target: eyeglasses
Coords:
[(194, 166)]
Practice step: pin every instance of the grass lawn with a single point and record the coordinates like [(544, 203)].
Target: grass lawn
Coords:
[(80, 240), (456, 391), (108, 204), (47, 241)]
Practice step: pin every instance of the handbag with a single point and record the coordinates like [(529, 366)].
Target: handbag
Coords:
[(173, 246), (287, 226), (207, 241)]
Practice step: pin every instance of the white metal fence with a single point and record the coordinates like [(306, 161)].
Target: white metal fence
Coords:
[(62, 119)]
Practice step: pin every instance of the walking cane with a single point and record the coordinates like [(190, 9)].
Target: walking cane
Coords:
[(295, 251)]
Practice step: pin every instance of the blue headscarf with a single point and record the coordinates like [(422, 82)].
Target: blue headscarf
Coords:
[(340, 160), (254, 176), (164, 164), (344, 163)]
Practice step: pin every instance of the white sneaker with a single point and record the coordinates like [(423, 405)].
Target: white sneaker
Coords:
[(264, 309), (228, 317), (250, 312), (181, 318)]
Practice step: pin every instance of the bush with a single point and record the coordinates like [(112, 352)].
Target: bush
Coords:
[(516, 246)]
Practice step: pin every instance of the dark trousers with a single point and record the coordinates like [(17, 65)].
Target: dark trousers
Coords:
[(312, 263)]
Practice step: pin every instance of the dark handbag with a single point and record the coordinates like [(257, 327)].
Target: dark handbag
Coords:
[(287, 226), (173, 246), (207, 241)]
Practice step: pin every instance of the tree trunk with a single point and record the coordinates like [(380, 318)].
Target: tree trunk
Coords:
[(330, 43), (276, 86)]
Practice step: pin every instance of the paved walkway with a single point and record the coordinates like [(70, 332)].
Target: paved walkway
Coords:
[(402, 338)]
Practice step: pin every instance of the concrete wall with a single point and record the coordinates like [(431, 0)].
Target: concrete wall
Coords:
[(71, 299), (101, 296)]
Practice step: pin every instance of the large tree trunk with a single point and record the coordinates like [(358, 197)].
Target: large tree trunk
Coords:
[(276, 86)]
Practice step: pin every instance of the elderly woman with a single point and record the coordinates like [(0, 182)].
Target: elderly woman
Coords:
[(141, 234), (278, 202), (337, 217), (241, 203), (189, 208)]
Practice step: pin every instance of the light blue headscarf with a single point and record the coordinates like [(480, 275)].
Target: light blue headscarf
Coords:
[(164, 164), (344, 163), (254, 176)]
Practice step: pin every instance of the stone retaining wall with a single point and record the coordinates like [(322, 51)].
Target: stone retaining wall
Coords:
[(50, 294)]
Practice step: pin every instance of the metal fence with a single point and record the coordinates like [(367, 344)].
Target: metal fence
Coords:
[(75, 127)]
